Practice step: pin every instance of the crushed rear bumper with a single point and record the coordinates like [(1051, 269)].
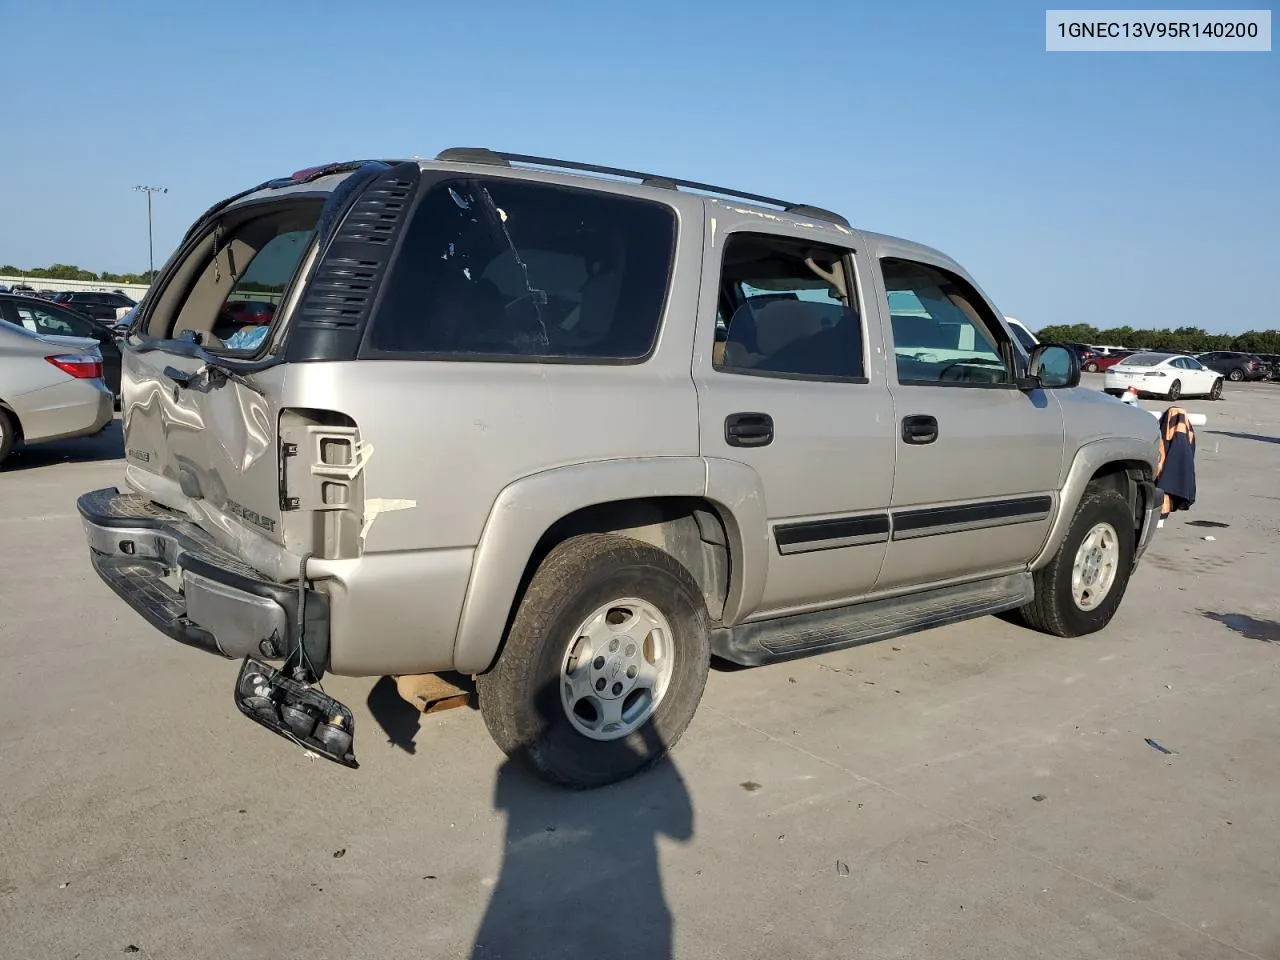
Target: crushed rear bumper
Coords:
[(185, 585)]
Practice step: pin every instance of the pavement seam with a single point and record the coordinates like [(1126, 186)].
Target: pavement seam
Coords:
[(984, 834)]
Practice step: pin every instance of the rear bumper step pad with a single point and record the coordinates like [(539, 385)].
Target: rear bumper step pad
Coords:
[(187, 586)]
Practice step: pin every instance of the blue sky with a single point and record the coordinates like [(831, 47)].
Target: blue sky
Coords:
[(1101, 188)]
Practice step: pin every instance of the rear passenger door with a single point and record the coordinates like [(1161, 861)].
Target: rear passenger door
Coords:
[(978, 460), (790, 387)]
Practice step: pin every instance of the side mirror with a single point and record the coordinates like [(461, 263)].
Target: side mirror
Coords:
[(1051, 367)]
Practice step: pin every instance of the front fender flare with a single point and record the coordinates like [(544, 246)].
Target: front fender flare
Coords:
[(1089, 459)]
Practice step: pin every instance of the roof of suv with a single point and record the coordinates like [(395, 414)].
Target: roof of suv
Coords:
[(835, 228), (659, 187)]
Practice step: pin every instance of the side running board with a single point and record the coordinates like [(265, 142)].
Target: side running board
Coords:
[(805, 634)]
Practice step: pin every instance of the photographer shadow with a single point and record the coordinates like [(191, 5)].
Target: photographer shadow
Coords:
[(580, 875)]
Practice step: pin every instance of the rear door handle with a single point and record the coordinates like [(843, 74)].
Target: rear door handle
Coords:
[(919, 429), (748, 429)]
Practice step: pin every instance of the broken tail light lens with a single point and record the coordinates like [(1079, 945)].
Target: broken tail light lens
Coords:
[(78, 366)]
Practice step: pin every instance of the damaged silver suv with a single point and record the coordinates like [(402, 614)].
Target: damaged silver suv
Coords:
[(575, 430)]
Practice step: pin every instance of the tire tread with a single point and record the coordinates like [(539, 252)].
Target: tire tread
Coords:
[(550, 591), (1047, 612)]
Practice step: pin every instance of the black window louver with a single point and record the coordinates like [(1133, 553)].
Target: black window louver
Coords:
[(339, 297)]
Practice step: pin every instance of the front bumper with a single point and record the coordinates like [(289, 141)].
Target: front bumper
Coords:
[(185, 585)]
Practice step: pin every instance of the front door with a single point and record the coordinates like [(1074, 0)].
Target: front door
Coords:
[(978, 460), (790, 390), (1197, 379)]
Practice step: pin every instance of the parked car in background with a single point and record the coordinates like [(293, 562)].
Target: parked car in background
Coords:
[(1273, 361), (122, 323), (1024, 336), (94, 305), (253, 312), (1235, 366), (1168, 375), (50, 388), (52, 320), (1102, 361), (1084, 353)]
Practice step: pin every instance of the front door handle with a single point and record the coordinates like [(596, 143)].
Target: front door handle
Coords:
[(748, 429), (919, 429)]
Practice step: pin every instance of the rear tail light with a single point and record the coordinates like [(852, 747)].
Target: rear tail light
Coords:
[(78, 366)]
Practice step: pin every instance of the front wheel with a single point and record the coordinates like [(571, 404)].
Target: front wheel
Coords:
[(1216, 392), (1091, 367), (604, 665), (1080, 589)]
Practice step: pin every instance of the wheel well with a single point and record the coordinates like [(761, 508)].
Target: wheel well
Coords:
[(1123, 476), (688, 528), (13, 418)]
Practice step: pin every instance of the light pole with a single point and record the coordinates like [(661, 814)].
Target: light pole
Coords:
[(151, 249)]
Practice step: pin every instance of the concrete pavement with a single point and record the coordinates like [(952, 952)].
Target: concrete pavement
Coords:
[(978, 791)]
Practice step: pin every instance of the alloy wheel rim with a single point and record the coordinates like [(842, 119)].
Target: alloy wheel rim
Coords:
[(1096, 564), (616, 669)]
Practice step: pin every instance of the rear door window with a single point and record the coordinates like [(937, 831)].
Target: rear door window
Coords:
[(505, 269), (792, 311)]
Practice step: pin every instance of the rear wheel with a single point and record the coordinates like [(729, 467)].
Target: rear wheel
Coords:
[(1079, 590), (1236, 375), (8, 434), (1175, 390), (1091, 367), (604, 664), (1216, 392)]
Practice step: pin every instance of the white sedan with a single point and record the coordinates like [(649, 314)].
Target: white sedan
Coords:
[(53, 388), (1169, 375)]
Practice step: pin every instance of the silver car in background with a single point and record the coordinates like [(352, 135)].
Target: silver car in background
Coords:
[(51, 388)]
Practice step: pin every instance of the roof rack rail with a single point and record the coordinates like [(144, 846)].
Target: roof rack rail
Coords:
[(495, 158)]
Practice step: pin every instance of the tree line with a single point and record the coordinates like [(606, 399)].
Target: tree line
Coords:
[(68, 271), (1181, 340)]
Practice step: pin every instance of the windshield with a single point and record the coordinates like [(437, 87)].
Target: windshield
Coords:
[(1145, 360)]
